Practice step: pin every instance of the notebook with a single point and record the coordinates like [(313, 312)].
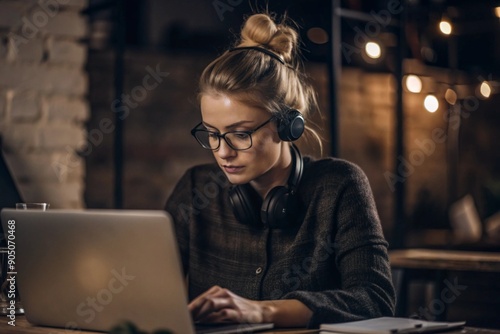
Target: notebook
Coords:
[(93, 269), (389, 325)]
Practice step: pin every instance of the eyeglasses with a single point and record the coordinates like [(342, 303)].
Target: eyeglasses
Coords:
[(237, 140)]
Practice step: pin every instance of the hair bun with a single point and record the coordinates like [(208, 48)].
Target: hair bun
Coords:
[(260, 29)]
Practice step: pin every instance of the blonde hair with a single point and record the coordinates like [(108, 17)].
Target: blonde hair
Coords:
[(255, 78)]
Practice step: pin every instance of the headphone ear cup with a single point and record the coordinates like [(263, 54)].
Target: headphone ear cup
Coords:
[(274, 209), (291, 126), (245, 201)]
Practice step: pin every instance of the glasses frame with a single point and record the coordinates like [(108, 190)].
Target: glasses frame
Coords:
[(223, 135)]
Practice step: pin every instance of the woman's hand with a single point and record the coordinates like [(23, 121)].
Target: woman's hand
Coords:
[(221, 305)]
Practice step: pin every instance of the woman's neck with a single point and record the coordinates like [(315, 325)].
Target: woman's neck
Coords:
[(278, 175)]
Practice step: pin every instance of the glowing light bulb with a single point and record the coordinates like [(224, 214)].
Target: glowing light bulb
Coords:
[(497, 12), (431, 103), (445, 27), (485, 89), (413, 83), (450, 96), (373, 50)]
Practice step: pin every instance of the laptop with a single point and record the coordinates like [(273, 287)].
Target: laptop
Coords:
[(95, 269)]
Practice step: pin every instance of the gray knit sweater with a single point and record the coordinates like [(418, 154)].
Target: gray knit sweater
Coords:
[(332, 257)]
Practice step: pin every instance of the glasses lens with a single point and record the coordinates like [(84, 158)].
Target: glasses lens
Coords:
[(211, 140), (239, 140), (207, 139)]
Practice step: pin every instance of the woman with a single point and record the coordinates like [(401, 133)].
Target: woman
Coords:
[(265, 234)]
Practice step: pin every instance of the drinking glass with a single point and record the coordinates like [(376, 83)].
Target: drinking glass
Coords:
[(10, 303), (32, 206)]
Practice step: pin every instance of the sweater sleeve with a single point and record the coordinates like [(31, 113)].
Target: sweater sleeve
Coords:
[(360, 256), (179, 206)]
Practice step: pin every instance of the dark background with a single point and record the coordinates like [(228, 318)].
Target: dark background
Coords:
[(188, 34), (203, 26)]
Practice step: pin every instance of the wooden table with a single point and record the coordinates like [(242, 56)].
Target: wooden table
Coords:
[(445, 260), (24, 327), (439, 262)]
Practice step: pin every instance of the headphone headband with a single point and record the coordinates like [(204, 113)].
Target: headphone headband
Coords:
[(296, 173), (260, 49)]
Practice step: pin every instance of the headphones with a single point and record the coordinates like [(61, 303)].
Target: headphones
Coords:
[(280, 204), (290, 125)]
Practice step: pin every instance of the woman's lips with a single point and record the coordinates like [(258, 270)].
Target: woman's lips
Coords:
[(233, 169)]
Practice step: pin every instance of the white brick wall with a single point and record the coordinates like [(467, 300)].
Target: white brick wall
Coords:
[(66, 109), (31, 51), (12, 12), (66, 52), (43, 106), (47, 78), (24, 107), (73, 24)]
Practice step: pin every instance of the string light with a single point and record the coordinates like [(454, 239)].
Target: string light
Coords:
[(450, 96), (413, 83), (373, 50), (431, 103), (485, 89), (445, 27)]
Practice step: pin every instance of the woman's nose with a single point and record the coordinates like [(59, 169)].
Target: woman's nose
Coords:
[(225, 151)]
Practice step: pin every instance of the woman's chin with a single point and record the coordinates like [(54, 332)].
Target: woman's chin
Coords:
[(236, 179)]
